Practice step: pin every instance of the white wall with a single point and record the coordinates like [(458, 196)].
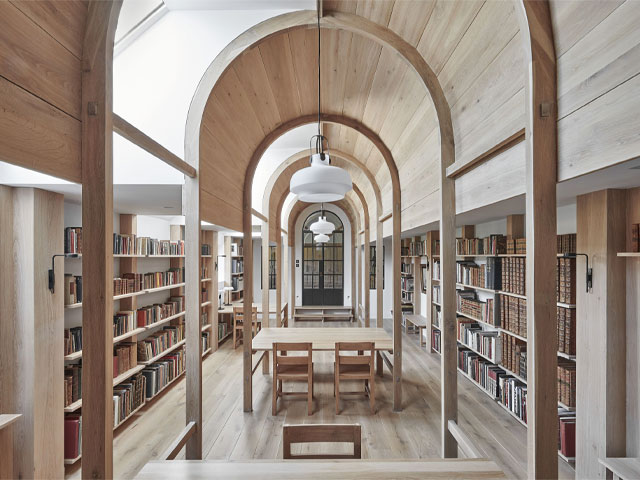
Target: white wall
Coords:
[(387, 292), (348, 251)]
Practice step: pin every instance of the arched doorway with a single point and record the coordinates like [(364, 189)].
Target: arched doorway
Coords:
[(323, 264)]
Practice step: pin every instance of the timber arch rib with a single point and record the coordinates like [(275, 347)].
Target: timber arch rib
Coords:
[(204, 150)]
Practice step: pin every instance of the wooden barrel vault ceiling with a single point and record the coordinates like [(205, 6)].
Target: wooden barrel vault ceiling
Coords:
[(473, 47)]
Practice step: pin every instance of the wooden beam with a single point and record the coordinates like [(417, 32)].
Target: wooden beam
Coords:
[(464, 443), (178, 444), (135, 136), (247, 337), (97, 233), (456, 170), (385, 217), (266, 317), (515, 226), (256, 213), (541, 166)]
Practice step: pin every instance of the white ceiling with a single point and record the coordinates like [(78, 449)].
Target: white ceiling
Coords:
[(240, 4)]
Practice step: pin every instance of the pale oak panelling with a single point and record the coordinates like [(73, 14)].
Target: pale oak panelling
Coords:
[(415, 215), (37, 136), (305, 66), (600, 134), (410, 17), (64, 21), (601, 60), (364, 57), (447, 24), (35, 61), (573, 19), (336, 44), (379, 12), (423, 123), (217, 210), (633, 330)]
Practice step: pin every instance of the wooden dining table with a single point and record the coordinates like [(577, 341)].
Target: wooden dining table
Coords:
[(455, 468), (325, 339)]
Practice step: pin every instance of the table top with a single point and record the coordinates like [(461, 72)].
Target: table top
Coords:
[(322, 338), (322, 469), (7, 419), (229, 308), (417, 320), (625, 468)]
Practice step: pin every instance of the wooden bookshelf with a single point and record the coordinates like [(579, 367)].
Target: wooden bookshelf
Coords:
[(234, 251)]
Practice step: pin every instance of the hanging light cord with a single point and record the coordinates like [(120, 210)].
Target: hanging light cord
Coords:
[(318, 9)]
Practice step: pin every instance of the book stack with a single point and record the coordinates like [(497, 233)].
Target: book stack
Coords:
[(567, 330), (204, 317), (237, 250), (72, 436), (567, 384), (437, 318), (493, 277), (151, 314), (513, 275), (72, 340), (72, 289), (417, 249), (205, 341), (72, 384), (127, 397), (471, 335), (206, 249), (237, 265), (237, 283), (513, 314), (222, 330), (566, 280), (435, 340), (435, 290), (516, 246), (491, 245), (513, 395), (469, 273), (512, 349), (128, 283), (158, 342), (484, 373), (468, 304), (123, 322), (124, 244), (435, 270), (204, 271), (159, 374), (567, 432), (73, 240), (567, 243), (163, 279), (124, 358), (407, 268), (436, 247)]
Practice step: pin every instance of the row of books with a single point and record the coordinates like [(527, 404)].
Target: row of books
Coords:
[(513, 314), (567, 432), (485, 342), (150, 314), (567, 383), (513, 395), (414, 249), (435, 294), (123, 322), (158, 342), (73, 240), (205, 249), (567, 330), (72, 436), (567, 243), (206, 341), (237, 265), (406, 268), (131, 244), (127, 397), (407, 297), (516, 246), (223, 328), (237, 283), (566, 280), (128, 283), (514, 355), (204, 271), (72, 384), (513, 275), (72, 289), (124, 358), (491, 245), (469, 273), (437, 317), (72, 340), (435, 270), (481, 371), (160, 373), (435, 340), (406, 283), (163, 279), (236, 249), (467, 303)]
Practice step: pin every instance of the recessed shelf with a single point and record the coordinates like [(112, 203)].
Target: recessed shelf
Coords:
[(629, 254), (134, 294)]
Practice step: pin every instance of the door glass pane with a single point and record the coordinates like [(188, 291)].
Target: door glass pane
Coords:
[(318, 253), (337, 281), (328, 267), (316, 267), (328, 281), (307, 281), (308, 238), (328, 253), (338, 254), (337, 237), (316, 281)]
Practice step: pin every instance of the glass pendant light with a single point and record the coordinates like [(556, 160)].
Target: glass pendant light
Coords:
[(321, 182)]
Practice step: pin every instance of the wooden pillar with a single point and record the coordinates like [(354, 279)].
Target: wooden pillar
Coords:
[(468, 231), (280, 280), (601, 332), (367, 278), (214, 320), (397, 305), (379, 271), (247, 337), (417, 281), (292, 275), (265, 275), (541, 229), (431, 239), (31, 333), (515, 226), (448, 338), (97, 233), (358, 253)]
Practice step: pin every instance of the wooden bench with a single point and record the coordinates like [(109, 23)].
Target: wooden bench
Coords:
[(416, 322), (622, 468), (323, 313)]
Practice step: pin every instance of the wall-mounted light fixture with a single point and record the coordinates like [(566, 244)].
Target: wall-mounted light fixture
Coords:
[(589, 276), (52, 275)]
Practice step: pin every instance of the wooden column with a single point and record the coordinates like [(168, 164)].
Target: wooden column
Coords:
[(367, 278), (358, 253), (417, 281), (448, 338), (31, 333), (214, 290), (379, 272), (515, 226), (541, 165), (601, 332), (265, 274), (292, 274), (97, 233), (247, 337), (431, 238), (397, 305), (280, 281)]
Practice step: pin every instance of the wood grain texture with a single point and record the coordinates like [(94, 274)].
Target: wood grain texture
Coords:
[(601, 381), (541, 167), (97, 225)]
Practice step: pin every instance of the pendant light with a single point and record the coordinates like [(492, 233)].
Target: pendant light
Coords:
[(322, 225), (321, 238), (321, 182)]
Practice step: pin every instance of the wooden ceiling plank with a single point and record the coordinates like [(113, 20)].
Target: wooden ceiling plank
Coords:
[(378, 12), (362, 64), (336, 45), (305, 65), (410, 17)]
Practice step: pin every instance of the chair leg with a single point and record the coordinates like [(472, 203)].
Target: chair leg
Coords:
[(372, 396), (310, 396), (235, 345), (274, 398), (337, 394)]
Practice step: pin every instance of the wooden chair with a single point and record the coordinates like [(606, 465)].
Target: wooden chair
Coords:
[(355, 367), (238, 323), (314, 433), (292, 368)]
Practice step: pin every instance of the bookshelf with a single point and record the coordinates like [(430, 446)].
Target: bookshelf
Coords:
[(491, 330), (156, 307), (412, 252), (234, 252)]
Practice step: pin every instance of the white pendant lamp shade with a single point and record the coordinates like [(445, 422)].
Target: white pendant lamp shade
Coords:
[(322, 238), (321, 182), (322, 226)]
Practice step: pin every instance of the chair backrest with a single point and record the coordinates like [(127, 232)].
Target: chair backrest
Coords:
[(360, 358), (315, 433), (283, 359)]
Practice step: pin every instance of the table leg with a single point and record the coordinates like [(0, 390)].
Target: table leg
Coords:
[(265, 363), (379, 364)]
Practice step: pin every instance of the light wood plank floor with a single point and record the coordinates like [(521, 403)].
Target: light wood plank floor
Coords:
[(229, 433)]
